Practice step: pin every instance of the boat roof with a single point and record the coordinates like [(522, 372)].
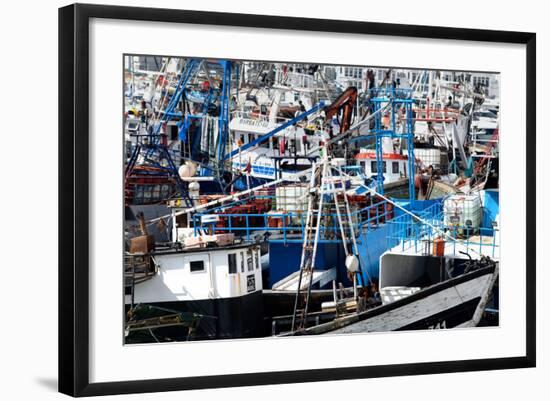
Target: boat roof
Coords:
[(385, 156), (209, 248)]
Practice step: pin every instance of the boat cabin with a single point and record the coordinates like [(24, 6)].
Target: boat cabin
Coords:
[(394, 165), (212, 272), (292, 143)]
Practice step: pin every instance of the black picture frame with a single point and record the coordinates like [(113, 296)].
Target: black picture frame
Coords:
[(74, 198)]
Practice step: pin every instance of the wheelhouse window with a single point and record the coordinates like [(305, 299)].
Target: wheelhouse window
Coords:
[(181, 220), (395, 167), (133, 125), (374, 167), (196, 266), (257, 260), (232, 263), (249, 260), (242, 262)]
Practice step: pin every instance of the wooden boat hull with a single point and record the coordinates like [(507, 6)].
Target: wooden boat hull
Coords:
[(457, 302)]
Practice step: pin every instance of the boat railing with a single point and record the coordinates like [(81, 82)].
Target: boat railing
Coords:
[(433, 114), (175, 154), (250, 115), (391, 92), (138, 267), (418, 234), (257, 118), (298, 80), (290, 225)]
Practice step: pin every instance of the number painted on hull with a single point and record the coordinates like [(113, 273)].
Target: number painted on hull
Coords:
[(438, 326)]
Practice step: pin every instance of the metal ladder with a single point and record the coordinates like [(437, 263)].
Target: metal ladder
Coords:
[(311, 237), (345, 222), (323, 182)]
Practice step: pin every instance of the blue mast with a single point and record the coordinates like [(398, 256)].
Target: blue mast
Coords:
[(398, 100), (155, 152), (223, 131)]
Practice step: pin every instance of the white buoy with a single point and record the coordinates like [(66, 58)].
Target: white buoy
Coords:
[(352, 263), (188, 169), (194, 191)]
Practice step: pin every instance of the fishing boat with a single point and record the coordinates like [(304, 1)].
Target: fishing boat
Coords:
[(450, 302), (270, 158), (441, 271), (212, 279)]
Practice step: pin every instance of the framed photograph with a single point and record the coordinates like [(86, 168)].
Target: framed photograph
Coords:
[(252, 199)]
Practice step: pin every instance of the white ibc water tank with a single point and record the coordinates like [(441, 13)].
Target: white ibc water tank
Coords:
[(463, 211), (387, 145), (429, 157), (291, 198)]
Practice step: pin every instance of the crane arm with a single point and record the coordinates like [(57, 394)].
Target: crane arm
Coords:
[(345, 103)]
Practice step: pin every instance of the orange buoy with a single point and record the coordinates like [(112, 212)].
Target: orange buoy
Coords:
[(439, 247)]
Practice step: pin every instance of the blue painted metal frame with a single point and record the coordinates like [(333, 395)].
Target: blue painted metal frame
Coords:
[(155, 151), (188, 72), (223, 133), (398, 98), (411, 232), (370, 223)]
